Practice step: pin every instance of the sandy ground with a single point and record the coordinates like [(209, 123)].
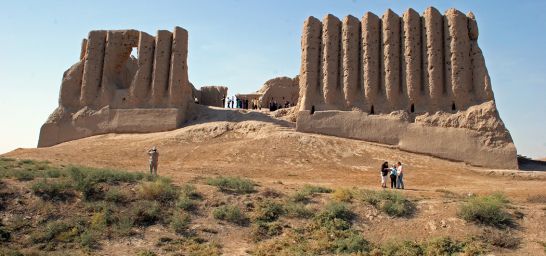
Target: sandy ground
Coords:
[(269, 152)]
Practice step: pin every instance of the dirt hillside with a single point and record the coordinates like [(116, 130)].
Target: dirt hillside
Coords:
[(274, 155)]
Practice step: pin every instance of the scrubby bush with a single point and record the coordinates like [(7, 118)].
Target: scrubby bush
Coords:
[(351, 243), (268, 211), (489, 210), (188, 199), (297, 210), (180, 223), (52, 190), (335, 216), (265, 230), (442, 246), (312, 189), (146, 213), (343, 195), (396, 248), (97, 175), (392, 203), (502, 239), (89, 239), (231, 214), (115, 195), (24, 175), (160, 190), (302, 195), (234, 185)]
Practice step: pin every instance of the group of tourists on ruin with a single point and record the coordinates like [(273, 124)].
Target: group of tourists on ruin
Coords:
[(395, 173), (234, 102)]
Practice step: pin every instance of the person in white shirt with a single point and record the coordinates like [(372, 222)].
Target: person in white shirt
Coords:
[(400, 176)]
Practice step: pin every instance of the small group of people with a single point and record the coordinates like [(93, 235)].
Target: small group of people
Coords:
[(274, 105), (395, 173)]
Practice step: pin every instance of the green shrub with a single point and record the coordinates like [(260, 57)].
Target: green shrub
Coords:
[(180, 223), (146, 213), (302, 195), (97, 175), (54, 173), (392, 203), (234, 185), (311, 189), (231, 214), (189, 191), (502, 239), (352, 243), (343, 195), (488, 210), (115, 195), (297, 210), (265, 230), (188, 198), (334, 216), (186, 204), (84, 184), (160, 190), (124, 225), (268, 211), (51, 231), (52, 190), (401, 248), (442, 246), (89, 239), (24, 175)]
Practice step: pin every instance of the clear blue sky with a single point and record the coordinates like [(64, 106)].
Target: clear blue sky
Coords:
[(243, 43)]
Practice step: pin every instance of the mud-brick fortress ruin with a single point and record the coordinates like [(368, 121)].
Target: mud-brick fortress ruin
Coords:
[(109, 90), (417, 83)]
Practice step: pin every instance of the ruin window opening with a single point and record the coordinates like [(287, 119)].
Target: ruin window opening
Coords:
[(372, 111), (412, 108), (312, 109), (134, 52), (453, 108)]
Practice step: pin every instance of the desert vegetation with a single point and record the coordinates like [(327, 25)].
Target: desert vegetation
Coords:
[(49, 209)]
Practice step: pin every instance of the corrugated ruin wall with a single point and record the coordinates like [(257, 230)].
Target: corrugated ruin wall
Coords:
[(414, 63), (415, 82), (109, 90)]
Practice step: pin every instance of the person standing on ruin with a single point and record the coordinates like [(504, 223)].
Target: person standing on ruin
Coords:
[(400, 176), (384, 172), (393, 177), (154, 159)]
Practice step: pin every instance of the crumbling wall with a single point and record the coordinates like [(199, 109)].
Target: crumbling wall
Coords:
[(280, 89), (419, 65), (108, 87), (213, 96)]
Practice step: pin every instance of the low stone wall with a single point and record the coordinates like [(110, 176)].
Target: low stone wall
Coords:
[(87, 123), (455, 143)]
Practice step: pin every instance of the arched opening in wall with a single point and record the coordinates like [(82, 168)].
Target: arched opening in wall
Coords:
[(134, 52), (412, 108), (312, 109), (453, 108), (372, 111)]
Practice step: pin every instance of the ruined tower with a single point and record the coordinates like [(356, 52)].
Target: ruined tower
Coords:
[(417, 82), (109, 90)]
